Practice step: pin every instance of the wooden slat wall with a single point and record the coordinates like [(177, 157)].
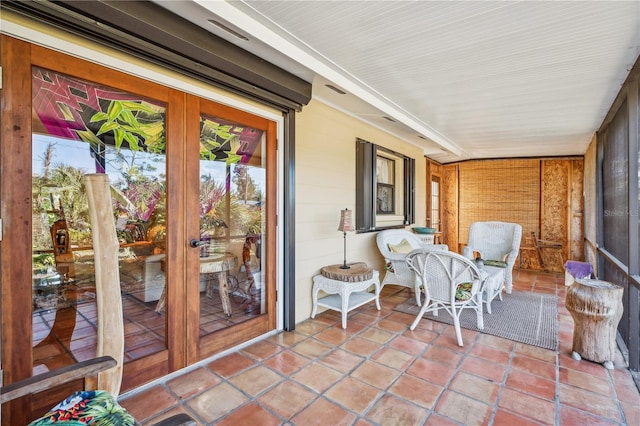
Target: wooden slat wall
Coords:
[(503, 190)]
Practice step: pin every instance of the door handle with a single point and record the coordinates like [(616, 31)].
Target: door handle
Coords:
[(199, 243)]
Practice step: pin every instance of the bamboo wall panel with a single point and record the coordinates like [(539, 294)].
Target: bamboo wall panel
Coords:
[(576, 206), (554, 210), (544, 196), (502, 190), (450, 206)]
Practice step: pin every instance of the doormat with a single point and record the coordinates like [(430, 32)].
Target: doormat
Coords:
[(522, 316)]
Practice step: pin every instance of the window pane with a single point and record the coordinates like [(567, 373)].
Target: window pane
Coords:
[(435, 204), (389, 189), (232, 194), (385, 170), (384, 199), (370, 159)]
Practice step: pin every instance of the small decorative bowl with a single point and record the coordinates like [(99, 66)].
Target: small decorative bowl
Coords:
[(421, 230)]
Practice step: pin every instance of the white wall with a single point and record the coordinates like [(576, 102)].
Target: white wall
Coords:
[(326, 184)]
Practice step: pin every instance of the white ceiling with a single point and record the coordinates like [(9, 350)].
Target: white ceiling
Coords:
[(477, 79)]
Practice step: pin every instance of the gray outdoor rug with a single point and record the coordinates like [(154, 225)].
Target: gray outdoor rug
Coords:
[(521, 316)]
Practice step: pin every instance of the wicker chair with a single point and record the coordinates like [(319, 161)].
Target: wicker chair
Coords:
[(394, 245), (495, 241), (451, 282)]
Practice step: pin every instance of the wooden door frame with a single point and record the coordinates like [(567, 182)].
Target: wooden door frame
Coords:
[(15, 248)]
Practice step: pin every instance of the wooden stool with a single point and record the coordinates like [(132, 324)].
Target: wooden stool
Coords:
[(596, 308), (347, 288)]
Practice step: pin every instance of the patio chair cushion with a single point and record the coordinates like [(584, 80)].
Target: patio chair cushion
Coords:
[(496, 263), (87, 407), (403, 247), (463, 291), (388, 267)]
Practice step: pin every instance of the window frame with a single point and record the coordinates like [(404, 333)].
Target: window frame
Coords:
[(368, 218), (435, 209)]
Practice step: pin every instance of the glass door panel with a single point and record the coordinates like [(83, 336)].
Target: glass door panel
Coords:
[(231, 216), (80, 127), (232, 192)]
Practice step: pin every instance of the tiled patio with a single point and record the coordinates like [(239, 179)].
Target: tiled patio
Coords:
[(378, 372)]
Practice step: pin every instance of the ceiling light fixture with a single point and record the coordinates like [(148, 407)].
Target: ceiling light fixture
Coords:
[(227, 29), (335, 89), (389, 118)]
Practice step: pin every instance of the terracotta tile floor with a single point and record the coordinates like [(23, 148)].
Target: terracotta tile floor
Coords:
[(377, 372)]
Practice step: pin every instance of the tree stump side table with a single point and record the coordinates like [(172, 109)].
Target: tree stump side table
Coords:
[(347, 288), (596, 308)]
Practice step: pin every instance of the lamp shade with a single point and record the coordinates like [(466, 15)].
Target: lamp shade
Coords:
[(345, 221)]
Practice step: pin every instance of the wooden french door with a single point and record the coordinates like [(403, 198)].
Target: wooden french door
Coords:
[(230, 227), (183, 171)]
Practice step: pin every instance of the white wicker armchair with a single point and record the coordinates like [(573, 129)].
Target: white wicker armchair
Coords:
[(394, 245), (442, 272), (498, 241)]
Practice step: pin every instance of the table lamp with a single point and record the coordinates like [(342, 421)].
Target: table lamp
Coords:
[(345, 226)]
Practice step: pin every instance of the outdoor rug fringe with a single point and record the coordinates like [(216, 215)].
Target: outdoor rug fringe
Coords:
[(525, 317)]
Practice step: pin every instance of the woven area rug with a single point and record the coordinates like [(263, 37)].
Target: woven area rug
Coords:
[(521, 316)]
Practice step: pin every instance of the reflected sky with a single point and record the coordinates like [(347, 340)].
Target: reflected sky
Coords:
[(77, 154)]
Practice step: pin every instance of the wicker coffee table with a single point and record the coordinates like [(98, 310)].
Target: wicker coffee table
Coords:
[(347, 288)]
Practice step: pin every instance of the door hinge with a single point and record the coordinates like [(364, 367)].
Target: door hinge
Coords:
[(0, 229), (0, 77)]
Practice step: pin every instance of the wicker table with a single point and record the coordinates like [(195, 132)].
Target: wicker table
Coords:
[(347, 288)]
